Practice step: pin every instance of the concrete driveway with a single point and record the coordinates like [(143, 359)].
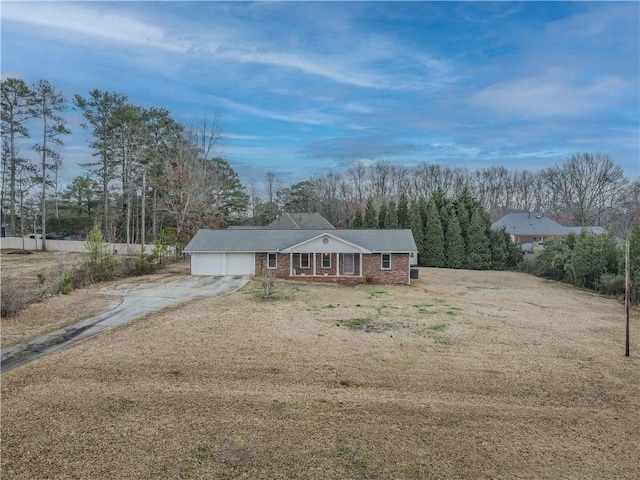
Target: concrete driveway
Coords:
[(139, 299)]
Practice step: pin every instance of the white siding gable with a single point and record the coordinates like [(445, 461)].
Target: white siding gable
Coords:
[(326, 244)]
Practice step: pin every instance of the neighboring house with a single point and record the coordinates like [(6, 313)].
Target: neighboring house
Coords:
[(596, 231), (579, 230), (344, 256), (294, 221), (531, 229), (301, 221)]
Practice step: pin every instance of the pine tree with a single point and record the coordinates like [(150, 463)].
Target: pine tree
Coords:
[(99, 111), (455, 251), (434, 237), (515, 253), (48, 103), (463, 220), (392, 216), (357, 220), (465, 205), (403, 211), (439, 198), (370, 220), (382, 215), (422, 207), (498, 249), (415, 224), (443, 204), (505, 254), (16, 98), (100, 263), (444, 222), (478, 249)]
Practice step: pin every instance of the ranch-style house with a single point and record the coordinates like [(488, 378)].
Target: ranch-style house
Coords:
[(336, 255)]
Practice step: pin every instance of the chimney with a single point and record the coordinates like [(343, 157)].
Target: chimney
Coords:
[(339, 226)]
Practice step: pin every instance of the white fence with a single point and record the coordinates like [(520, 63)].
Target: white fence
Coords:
[(27, 243)]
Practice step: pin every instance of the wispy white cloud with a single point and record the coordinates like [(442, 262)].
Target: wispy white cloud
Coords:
[(584, 63), (346, 150), (95, 21), (548, 96), (372, 63), (317, 65), (610, 23), (239, 136), (306, 116)]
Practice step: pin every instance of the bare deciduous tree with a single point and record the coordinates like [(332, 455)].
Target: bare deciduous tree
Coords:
[(587, 186)]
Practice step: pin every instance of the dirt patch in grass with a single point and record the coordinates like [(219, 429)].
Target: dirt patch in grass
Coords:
[(476, 375)]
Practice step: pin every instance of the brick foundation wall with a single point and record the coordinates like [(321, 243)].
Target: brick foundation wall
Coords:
[(346, 280)]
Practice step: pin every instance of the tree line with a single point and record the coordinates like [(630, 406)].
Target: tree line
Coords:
[(586, 189), (590, 261), (150, 174), (449, 232)]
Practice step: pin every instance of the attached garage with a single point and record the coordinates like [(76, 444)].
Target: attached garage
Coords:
[(241, 264), (222, 264)]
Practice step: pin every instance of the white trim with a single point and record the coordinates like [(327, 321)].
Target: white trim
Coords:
[(382, 267), (336, 238), (268, 263)]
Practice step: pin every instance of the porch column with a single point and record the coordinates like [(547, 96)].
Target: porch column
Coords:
[(337, 264), (360, 263), (314, 263), (291, 264)]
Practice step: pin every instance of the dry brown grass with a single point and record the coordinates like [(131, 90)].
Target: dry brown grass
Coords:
[(464, 375), (28, 266), (45, 315)]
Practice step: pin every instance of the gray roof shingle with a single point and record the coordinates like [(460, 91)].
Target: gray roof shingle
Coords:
[(532, 223), (579, 230), (271, 240), (301, 221)]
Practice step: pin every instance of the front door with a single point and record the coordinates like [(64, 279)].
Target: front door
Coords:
[(347, 267)]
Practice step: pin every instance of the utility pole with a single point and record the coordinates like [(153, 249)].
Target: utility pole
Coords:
[(627, 296), (144, 201)]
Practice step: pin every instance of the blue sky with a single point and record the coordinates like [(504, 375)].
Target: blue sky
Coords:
[(301, 88)]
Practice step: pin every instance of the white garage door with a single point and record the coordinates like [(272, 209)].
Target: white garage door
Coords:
[(222, 264), (207, 264), (240, 264)]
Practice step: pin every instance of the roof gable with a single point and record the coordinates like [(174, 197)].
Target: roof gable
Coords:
[(301, 221), (326, 243)]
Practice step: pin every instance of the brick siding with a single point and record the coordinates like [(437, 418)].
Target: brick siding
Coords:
[(371, 268), (398, 275)]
